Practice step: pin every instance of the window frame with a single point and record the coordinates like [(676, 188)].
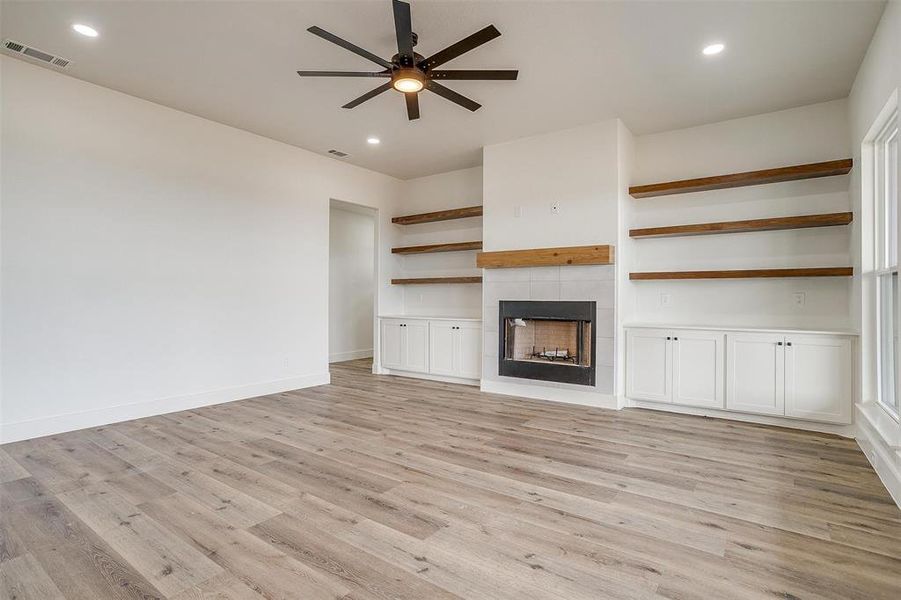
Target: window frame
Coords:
[(886, 248)]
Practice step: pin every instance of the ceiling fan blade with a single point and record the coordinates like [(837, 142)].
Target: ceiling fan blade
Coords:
[(473, 75), (463, 46), (348, 46), (449, 94), (403, 27), (412, 105), (343, 74), (368, 95)]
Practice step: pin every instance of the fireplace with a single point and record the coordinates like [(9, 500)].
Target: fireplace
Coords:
[(547, 340)]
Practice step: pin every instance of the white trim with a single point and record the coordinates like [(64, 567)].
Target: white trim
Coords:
[(885, 460), (552, 394), (429, 376), (23, 430), (842, 430), (882, 423), (349, 355)]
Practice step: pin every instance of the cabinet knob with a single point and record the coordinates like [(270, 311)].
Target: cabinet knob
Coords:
[(778, 343), (788, 343), (668, 338), (675, 339)]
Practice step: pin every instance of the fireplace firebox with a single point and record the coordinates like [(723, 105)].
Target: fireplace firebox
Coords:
[(547, 340)]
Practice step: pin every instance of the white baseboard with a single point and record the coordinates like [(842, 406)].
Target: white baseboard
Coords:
[(540, 392), (23, 430), (349, 355), (886, 460), (842, 430), (429, 376)]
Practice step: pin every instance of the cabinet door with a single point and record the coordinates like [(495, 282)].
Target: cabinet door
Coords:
[(755, 373), (649, 365), (416, 346), (469, 350), (442, 344), (818, 377), (698, 363), (391, 355)]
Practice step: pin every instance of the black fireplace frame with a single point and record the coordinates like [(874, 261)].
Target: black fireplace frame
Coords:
[(553, 310)]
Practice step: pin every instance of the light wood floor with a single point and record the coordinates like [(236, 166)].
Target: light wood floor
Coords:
[(381, 487)]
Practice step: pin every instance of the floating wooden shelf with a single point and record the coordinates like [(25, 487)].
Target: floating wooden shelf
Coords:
[(772, 224), (747, 273), (732, 180), (433, 280), (546, 257), (454, 247), (441, 215)]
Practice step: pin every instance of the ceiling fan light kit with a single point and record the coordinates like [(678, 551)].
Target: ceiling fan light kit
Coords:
[(411, 73), (408, 80)]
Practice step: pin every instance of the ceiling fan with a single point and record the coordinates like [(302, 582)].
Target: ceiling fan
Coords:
[(409, 72)]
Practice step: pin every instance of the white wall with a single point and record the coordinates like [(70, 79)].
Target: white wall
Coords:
[(878, 78), (802, 135), (153, 260), (455, 189), (351, 282), (576, 168)]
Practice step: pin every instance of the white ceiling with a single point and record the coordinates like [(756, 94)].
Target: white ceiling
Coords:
[(579, 62)]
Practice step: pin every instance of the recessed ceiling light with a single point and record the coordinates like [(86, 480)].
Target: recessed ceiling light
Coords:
[(714, 49), (85, 30), (373, 140)]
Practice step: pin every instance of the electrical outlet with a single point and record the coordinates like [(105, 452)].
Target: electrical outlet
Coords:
[(664, 299), (799, 298), (555, 208), (517, 211)]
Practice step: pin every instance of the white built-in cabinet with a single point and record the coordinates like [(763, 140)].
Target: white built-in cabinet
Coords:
[(440, 347), (677, 367), (818, 379), (756, 373), (455, 349), (650, 374), (785, 374), (405, 345)]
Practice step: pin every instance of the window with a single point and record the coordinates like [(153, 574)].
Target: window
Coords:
[(885, 195)]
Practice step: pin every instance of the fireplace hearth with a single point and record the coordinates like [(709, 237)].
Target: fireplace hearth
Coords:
[(547, 340)]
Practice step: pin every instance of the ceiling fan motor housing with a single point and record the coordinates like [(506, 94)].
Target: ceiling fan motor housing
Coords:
[(417, 58)]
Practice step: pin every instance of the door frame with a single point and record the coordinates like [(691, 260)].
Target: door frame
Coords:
[(372, 212)]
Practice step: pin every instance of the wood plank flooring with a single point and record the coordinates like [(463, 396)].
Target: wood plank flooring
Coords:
[(376, 488)]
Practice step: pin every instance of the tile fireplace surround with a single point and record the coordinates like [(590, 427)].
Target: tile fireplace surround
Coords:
[(591, 283)]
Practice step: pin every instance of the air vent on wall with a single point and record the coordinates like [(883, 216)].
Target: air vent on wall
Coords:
[(31, 52), (338, 153)]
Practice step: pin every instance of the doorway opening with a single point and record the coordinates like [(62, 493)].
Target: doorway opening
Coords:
[(353, 237)]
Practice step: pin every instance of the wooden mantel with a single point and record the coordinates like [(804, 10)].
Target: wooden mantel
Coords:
[(546, 257)]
